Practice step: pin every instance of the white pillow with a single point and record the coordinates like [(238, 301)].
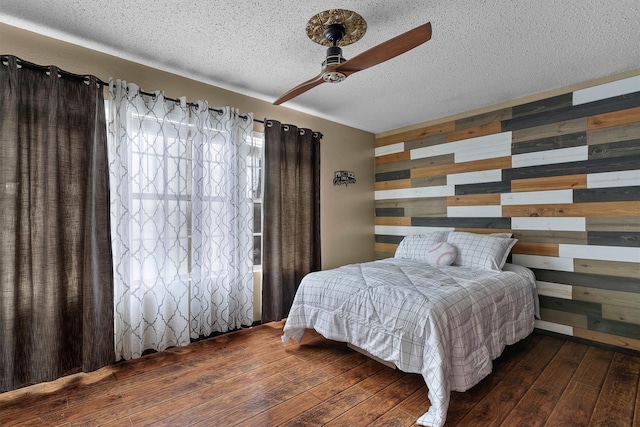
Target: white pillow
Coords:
[(417, 246), (442, 254), (480, 251)]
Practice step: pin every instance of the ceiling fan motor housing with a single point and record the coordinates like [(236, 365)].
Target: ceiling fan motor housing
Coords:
[(334, 58)]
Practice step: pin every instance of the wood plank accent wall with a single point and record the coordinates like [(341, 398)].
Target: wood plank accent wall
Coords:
[(562, 174)]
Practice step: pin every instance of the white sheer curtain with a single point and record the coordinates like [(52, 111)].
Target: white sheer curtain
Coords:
[(158, 303), (222, 237)]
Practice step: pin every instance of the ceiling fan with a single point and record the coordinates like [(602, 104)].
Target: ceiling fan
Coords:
[(341, 27)]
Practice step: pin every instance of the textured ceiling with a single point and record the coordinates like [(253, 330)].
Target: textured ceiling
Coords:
[(482, 52)]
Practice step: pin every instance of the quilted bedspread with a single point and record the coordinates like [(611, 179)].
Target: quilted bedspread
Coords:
[(446, 323)]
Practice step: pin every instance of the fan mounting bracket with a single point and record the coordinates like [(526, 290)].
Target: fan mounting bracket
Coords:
[(330, 21)]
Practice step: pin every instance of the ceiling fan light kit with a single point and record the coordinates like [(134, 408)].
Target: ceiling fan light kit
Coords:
[(341, 27)]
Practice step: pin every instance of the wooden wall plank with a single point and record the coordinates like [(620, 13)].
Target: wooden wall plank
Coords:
[(416, 134), (549, 157), (550, 143), (615, 118), (392, 158), (615, 194), (435, 206), (613, 327), (445, 159), (391, 220), (543, 262), (613, 179), (597, 209), (393, 185), (481, 130), (424, 193), (550, 197), (385, 238), (471, 211), (478, 165), (613, 134), (491, 175), (548, 104), (571, 224), (383, 255), (607, 90), (483, 119), (428, 181), (585, 308), (597, 281), (389, 149), (606, 296), (542, 236), (386, 247), (426, 211), (392, 175), (549, 130), (529, 248), (597, 108), (629, 147), (389, 212), (395, 230), (573, 168), (614, 238), (604, 253), (618, 341), (483, 230), (501, 223), (558, 328), (484, 188), (564, 318), (621, 314), (426, 142), (610, 268), (608, 223), (474, 200), (549, 183), (555, 290)]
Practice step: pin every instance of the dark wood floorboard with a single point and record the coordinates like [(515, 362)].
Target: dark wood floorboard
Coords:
[(248, 378)]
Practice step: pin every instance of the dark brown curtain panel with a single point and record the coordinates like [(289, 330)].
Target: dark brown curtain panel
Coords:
[(291, 221), (56, 280)]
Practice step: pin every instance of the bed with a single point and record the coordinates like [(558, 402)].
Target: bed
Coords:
[(444, 307)]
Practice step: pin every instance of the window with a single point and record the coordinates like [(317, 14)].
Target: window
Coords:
[(255, 163)]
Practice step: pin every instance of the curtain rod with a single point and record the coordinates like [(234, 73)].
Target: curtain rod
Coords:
[(242, 116), (47, 69), (85, 78)]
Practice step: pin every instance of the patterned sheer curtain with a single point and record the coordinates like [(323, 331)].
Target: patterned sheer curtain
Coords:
[(169, 286), (56, 291), (222, 243)]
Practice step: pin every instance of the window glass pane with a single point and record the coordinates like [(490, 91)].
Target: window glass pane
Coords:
[(257, 218), (257, 250)]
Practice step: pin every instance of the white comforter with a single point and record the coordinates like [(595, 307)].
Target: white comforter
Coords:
[(446, 323)]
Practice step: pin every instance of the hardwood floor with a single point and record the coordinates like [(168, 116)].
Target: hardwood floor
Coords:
[(247, 378)]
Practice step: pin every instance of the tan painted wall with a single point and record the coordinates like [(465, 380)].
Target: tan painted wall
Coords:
[(346, 212)]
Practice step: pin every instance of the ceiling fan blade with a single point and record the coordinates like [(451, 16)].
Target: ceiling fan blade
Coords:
[(300, 89), (387, 50)]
